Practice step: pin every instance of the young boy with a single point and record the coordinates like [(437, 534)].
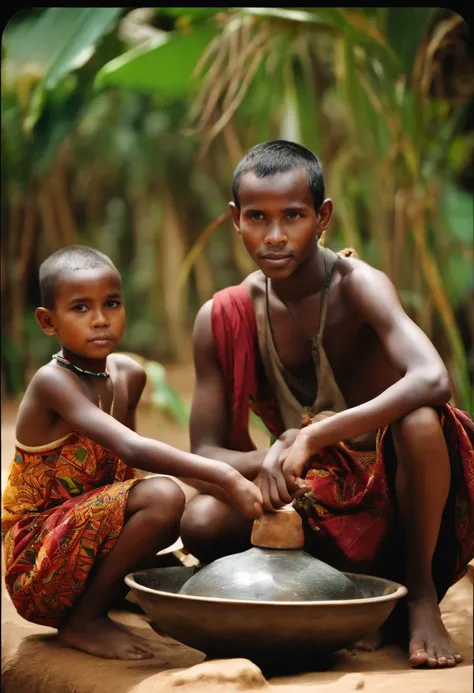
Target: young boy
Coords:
[(75, 520), (318, 337)]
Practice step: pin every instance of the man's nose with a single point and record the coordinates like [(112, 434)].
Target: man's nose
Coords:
[(276, 236)]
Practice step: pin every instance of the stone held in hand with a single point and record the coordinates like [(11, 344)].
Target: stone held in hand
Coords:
[(282, 529)]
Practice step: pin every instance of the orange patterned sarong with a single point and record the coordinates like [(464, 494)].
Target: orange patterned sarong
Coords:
[(63, 509)]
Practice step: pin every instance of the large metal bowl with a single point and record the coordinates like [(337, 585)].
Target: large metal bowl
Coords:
[(291, 635)]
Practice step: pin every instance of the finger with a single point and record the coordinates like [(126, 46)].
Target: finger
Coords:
[(258, 494), (283, 492), (274, 495), (266, 499), (297, 487)]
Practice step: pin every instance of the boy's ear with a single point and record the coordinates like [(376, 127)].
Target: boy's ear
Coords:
[(44, 318), (325, 215), (235, 216)]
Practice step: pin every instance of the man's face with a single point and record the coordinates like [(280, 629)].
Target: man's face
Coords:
[(277, 221)]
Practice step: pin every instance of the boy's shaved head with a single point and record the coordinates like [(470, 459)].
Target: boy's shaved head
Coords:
[(64, 261)]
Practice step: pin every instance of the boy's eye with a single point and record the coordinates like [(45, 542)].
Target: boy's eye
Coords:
[(112, 304), (294, 215), (80, 308), (256, 216)]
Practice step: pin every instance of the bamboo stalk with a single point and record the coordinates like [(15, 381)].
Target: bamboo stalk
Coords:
[(174, 293), (204, 279), (198, 247), (48, 218), (440, 301)]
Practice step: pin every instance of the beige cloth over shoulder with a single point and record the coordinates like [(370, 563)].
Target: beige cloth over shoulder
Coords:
[(329, 398)]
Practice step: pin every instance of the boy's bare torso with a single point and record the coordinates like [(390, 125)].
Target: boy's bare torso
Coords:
[(37, 425)]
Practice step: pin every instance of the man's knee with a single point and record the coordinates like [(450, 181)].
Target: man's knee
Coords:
[(159, 496), (423, 420), (203, 519)]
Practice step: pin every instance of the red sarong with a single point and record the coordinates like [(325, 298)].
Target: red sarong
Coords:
[(351, 507)]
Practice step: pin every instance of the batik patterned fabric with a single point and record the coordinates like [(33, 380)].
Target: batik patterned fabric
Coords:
[(63, 509)]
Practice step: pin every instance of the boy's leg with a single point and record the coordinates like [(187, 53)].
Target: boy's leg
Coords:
[(422, 486), (153, 513)]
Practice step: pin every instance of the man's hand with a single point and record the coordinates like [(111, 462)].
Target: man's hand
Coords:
[(270, 480), (293, 461)]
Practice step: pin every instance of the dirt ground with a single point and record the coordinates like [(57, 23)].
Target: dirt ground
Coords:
[(33, 662)]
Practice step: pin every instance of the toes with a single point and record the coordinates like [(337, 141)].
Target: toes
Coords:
[(135, 654), (418, 655), (457, 657), (432, 657)]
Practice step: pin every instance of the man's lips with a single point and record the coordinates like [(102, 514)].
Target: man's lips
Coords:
[(276, 256)]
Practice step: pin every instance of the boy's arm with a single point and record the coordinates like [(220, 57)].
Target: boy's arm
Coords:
[(136, 381), (210, 419), (424, 381), (59, 391)]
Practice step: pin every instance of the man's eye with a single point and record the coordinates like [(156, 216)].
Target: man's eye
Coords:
[(294, 215), (256, 216)]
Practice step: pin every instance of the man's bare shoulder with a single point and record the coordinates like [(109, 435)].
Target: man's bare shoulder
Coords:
[(254, 284), (355, 272), (369, 291)]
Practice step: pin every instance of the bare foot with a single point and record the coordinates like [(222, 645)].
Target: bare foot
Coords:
[(369, 643), (430, 644), (105, 638)]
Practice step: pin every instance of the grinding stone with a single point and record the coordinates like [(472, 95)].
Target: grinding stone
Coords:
[(271, 575)]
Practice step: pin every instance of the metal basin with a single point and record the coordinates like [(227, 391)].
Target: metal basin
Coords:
[(281, 636)]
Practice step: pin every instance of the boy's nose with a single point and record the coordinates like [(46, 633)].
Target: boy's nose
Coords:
[(99, 320)]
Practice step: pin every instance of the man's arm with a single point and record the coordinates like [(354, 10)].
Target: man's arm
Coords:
[(210, 419), (424, 381)]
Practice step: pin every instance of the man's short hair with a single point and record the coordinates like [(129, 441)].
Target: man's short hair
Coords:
[(279, 156), (64, 261)]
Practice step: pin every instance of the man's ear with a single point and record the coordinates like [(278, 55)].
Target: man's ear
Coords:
[(325, 215), (45, 320), (235, 216)]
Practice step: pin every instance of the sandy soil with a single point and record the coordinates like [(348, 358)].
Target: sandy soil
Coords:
[(33, 662)]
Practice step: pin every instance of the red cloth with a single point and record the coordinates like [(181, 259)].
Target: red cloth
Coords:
[(235, 334), (350, 509)]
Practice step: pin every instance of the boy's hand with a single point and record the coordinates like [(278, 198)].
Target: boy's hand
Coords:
[(242, 494), (270, 480)]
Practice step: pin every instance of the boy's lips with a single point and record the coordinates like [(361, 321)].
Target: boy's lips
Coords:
[(101, 340)]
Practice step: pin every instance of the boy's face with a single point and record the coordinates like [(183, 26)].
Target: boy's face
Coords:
[(277, 220), (88, 316)]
